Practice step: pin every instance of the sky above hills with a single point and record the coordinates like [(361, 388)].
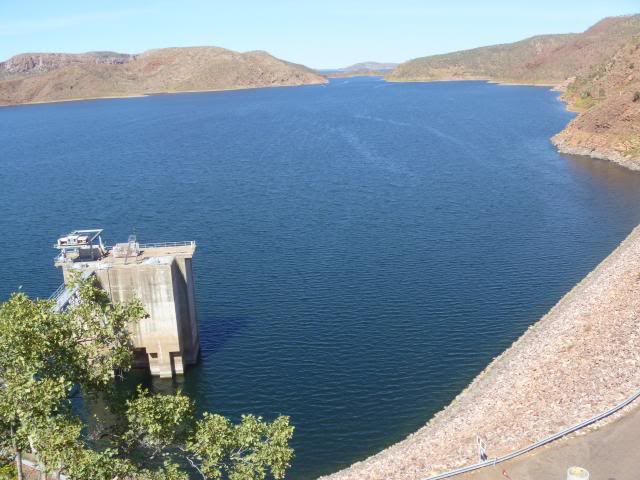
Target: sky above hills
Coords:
[(325, 34)]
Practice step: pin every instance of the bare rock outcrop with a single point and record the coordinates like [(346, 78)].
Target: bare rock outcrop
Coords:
[(29, 63)]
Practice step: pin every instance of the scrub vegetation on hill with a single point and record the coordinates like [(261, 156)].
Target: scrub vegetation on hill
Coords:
[(548, 59)]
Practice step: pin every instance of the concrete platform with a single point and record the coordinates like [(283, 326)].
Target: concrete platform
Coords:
[(183, 249), (160, 275)]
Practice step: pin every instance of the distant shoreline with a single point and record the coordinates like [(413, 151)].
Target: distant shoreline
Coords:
[(559, 143), (351, 75), (477, 79), (153, 94)]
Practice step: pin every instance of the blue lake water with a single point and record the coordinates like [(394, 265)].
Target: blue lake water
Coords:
[(365, 248)]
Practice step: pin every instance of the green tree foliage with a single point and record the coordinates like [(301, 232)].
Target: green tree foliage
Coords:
[(156, 422), (164, 427), (98, 337), (8, 471), (46, 355), (248, 450)]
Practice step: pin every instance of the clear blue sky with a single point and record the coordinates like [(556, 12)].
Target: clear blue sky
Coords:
[(319, 33)]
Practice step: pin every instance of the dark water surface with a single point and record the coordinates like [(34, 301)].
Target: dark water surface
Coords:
[(365, 248)]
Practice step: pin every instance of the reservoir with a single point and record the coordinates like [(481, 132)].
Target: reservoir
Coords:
[(364, 248)]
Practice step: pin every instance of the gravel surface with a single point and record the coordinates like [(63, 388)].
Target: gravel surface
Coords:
[(580, 359)]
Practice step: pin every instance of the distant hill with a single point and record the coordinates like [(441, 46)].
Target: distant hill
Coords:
[(47, 77), (369, 67), (363, 68), (599, 68), (541, 59)]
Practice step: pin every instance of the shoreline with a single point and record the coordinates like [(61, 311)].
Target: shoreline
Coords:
[(151, 94), (580, 359), (610, 156), (561, 144), (513, 83)]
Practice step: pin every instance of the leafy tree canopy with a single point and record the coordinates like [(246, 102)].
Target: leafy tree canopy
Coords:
[(46, 355)]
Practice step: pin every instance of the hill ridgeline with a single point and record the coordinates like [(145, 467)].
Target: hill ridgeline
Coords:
[(50, 77)]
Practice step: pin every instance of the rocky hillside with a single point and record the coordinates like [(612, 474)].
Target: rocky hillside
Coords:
[(547, 59), (44, 62), (608, 95), (600, 69), (47, 77)]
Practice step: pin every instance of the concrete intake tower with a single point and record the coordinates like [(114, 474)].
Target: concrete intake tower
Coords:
[(159, 274)]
